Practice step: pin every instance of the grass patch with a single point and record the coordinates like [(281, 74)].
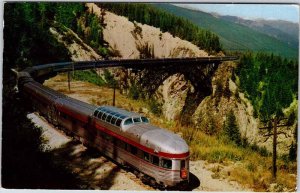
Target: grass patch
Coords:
[(89, 76)]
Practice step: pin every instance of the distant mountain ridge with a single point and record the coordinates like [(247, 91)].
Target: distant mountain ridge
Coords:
[(238, 34), (279, 29)]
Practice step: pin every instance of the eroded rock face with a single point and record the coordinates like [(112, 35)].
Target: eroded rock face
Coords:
[(135, 40), (173, 91), (129, 38), (79, 51)]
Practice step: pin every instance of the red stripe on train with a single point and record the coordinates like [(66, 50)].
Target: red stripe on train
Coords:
[(144, 148)]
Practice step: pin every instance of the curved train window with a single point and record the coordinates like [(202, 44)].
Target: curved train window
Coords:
[(118, 123), (145, 120), (96, 112), (166, 163), (155, 160), (137, 120), (100, 114), (113, 120), (113, 113), (104, 116), (108, 118), (128, 121), (117, 115)]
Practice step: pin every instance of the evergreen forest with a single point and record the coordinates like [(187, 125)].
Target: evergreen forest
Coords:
[(167, 22)]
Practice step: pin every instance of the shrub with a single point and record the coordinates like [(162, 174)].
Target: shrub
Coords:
[(109, 78), (134, 92), (293, 152), (212, 127), (155, 107), (227, 92), (89, 76), (231, 129)]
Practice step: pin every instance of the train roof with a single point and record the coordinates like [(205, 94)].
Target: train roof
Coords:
[(159, 139), (120, 113)]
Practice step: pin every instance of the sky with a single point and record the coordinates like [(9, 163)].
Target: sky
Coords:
[(253, 11)]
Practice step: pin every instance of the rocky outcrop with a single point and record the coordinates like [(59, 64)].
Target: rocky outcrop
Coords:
[(135, 40), (78, 50)]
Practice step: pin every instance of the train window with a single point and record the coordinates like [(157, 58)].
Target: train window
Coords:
[(133, 150), (166, 163), (113, 120), (137, 120), (104, 116), (146, 157), (113, 113), (108, 118), (118, 123), (155, 160), (100, 115), (96, 112), (118, 115), (145, 120), (128, 121)]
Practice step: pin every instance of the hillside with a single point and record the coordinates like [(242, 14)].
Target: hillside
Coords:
[(232, 35), (282, 30)]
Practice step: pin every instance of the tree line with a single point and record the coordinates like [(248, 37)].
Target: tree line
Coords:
[(167, 22), (270, 81), (271, 84), (28, 42)]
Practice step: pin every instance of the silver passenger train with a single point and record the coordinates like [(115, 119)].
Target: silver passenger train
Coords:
[(155, 155)]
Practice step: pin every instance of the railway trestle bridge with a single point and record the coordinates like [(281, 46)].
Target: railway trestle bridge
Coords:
[(197, 70)]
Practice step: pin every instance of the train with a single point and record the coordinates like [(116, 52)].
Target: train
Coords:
[(155, 155)]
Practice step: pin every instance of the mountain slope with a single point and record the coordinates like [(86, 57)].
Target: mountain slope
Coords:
[(282, 30), (234, 36)]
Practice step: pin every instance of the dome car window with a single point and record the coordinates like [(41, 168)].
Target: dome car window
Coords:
[(100, 115), (118, 123), (108, 118), (128, 121), (137, 120), (96, 112), (145, 120), (113, 120), (104, 116)]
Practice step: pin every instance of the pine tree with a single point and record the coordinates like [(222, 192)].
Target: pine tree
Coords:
[(231, 129)]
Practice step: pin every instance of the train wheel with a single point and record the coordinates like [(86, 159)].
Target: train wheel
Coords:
[(153, 182), (136, 173)]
